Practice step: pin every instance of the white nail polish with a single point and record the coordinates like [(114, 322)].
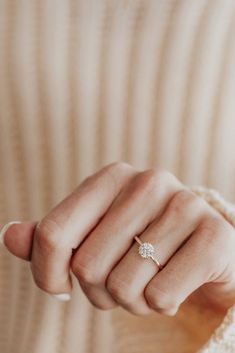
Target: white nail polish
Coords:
[(64, 297), (4, 229)]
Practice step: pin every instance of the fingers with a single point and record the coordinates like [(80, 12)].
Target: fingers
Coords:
[(17, 237), (201, 260), (127, 281), (92, 233), (66, 226), (112, 238)]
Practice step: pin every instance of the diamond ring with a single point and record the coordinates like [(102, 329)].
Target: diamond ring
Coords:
[(147, 251)]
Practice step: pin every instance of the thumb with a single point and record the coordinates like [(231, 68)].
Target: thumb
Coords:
[(17, 237)]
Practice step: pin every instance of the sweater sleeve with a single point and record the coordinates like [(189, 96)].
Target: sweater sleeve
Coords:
[(223, 338)]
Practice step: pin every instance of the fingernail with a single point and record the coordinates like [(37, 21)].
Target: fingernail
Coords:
[(64, 297), (4, 229)]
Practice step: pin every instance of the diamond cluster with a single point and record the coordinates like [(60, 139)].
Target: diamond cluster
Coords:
[(146, 250)]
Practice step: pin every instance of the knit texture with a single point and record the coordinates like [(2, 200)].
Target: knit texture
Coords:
[(84, 83)]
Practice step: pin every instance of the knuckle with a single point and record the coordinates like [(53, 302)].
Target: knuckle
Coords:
[(214, 228), (186, 199), (184, 196), (119, 165), (125, 295), (217, 231), (151, 180), (110, 171), (44, 285), (119, 290), (84, 272), (115, 289), (215, 237), (42, 282), (160, 301), (48, 235), (114, 171)]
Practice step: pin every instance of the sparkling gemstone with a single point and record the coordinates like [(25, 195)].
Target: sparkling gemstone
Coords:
[(146, 250)]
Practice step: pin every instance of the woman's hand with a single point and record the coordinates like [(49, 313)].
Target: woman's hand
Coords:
[(91, 232)]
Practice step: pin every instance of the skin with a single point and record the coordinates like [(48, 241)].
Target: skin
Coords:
[(90, 234)]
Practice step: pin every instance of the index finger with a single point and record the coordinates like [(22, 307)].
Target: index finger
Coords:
[(67, 225)]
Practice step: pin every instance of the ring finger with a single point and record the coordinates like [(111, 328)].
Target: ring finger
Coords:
[(127, 281)]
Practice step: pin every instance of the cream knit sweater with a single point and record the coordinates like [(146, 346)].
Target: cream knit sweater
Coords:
[(84, 83)]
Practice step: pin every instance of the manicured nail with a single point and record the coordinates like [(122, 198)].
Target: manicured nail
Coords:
[(4, 229), (63, 297)]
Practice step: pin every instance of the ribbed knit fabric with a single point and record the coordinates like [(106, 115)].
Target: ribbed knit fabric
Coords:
[(85, 83)]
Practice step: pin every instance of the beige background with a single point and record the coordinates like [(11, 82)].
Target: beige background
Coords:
[(84, 83)]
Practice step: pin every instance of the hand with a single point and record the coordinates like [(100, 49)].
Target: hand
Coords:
[(91, 233)]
